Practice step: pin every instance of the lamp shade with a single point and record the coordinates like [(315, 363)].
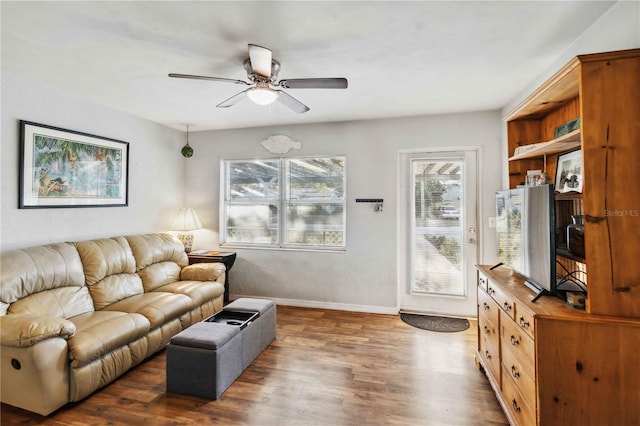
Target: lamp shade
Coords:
[(186, 220)]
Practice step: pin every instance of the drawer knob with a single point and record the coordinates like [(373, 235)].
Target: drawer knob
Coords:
[(507, 306), (514, 341), (516, 408), (486, 330), (514, 372), (523, 323), (487, 354), (486, 306), (491, 290)]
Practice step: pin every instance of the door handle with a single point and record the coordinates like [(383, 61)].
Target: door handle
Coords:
[(472, 231)]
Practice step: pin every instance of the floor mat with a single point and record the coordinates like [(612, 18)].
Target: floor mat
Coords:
[(435, 323)]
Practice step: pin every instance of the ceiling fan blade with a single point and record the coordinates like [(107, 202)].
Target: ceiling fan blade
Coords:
[(314, 83), (291, 102), (202, 77), (232, 100), (260, 60)]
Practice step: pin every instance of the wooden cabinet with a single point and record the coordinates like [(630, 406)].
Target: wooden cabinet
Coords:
[(551, 364), (603, 91), (488, 338), (559, 365)]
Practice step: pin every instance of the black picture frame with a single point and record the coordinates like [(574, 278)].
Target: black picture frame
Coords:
[(66, 168)]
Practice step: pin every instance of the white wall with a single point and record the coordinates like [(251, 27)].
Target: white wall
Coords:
[(617, 29), (363, 278), (155, 169)]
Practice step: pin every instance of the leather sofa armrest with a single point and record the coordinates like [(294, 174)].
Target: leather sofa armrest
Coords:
[(203, 272), (23, 330)]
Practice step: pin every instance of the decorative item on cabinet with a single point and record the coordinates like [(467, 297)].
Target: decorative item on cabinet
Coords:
[(575, 236), (569, 172), (567, 128)]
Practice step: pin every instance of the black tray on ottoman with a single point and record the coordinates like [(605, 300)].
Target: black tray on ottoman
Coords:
[(238, 318)]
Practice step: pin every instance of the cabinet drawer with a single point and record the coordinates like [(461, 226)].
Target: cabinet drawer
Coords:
[(487, 309), (519, 407), (502, 299), (482, 281), (516, 341), (514, 368), (524, 319), (490, 353)]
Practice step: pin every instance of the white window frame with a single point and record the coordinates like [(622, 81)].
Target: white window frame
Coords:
[(283, 202)]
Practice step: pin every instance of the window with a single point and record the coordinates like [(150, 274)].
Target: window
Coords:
[(286, 202)]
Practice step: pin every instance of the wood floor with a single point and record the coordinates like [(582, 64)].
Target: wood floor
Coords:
[(324, 368)]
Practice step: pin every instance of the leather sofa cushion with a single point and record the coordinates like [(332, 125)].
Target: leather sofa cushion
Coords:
[(204, 272), (159, 258), (104, 257), (37, 269), (158, 307), (109, 268), (24, 330), (64, 302), (198, 291), (155, 248), (101, 332), (115, 288), (159, 274)]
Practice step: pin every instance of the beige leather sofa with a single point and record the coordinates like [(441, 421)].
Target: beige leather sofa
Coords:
[(76, 316)]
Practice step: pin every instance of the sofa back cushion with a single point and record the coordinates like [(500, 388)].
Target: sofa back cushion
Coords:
[(159, 258), (44, 280), (109, 269)]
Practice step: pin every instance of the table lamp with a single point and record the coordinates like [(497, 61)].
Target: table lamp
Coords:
[(186, 220)]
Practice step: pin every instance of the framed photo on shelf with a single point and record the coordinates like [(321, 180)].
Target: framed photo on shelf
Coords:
[(534, 178), (569, 172), (65, 168)]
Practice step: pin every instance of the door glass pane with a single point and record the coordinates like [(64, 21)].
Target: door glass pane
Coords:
[(437, 226)]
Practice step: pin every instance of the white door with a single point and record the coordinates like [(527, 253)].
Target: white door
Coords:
[(438, 243)]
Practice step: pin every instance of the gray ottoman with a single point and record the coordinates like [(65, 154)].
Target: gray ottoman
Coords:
[(204, 360), (256, 336)]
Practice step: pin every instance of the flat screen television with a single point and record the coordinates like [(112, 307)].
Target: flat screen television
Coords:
[(525, 235)]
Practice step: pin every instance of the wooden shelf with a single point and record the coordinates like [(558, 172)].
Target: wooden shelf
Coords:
[(558, 90), (569, 196), (568, 255), (563, 143)]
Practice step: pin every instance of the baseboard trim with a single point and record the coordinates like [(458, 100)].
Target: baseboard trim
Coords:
[(326, 305)]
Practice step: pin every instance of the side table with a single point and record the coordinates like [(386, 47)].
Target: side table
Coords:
[(225, 257)]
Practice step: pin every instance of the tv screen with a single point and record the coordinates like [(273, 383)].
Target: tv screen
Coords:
[(525, 238)]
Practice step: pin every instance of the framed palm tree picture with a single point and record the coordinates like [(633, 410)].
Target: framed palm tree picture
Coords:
[(65, 168)]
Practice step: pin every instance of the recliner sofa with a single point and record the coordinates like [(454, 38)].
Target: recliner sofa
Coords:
[(76, 316)]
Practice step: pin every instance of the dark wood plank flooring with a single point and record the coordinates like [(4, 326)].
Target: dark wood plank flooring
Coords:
[(325, 368)]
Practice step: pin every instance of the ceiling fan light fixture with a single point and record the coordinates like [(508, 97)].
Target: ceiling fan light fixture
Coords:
[(262, 95)]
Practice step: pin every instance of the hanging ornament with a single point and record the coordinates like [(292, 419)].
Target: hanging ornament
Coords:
[(186, 150)]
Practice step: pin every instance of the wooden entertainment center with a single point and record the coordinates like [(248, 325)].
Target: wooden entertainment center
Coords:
[(549, 363)]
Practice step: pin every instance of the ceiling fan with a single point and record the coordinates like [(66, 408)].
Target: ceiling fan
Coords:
[(262, 73)]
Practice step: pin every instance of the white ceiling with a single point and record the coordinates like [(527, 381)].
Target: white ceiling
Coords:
[(401, 58)]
